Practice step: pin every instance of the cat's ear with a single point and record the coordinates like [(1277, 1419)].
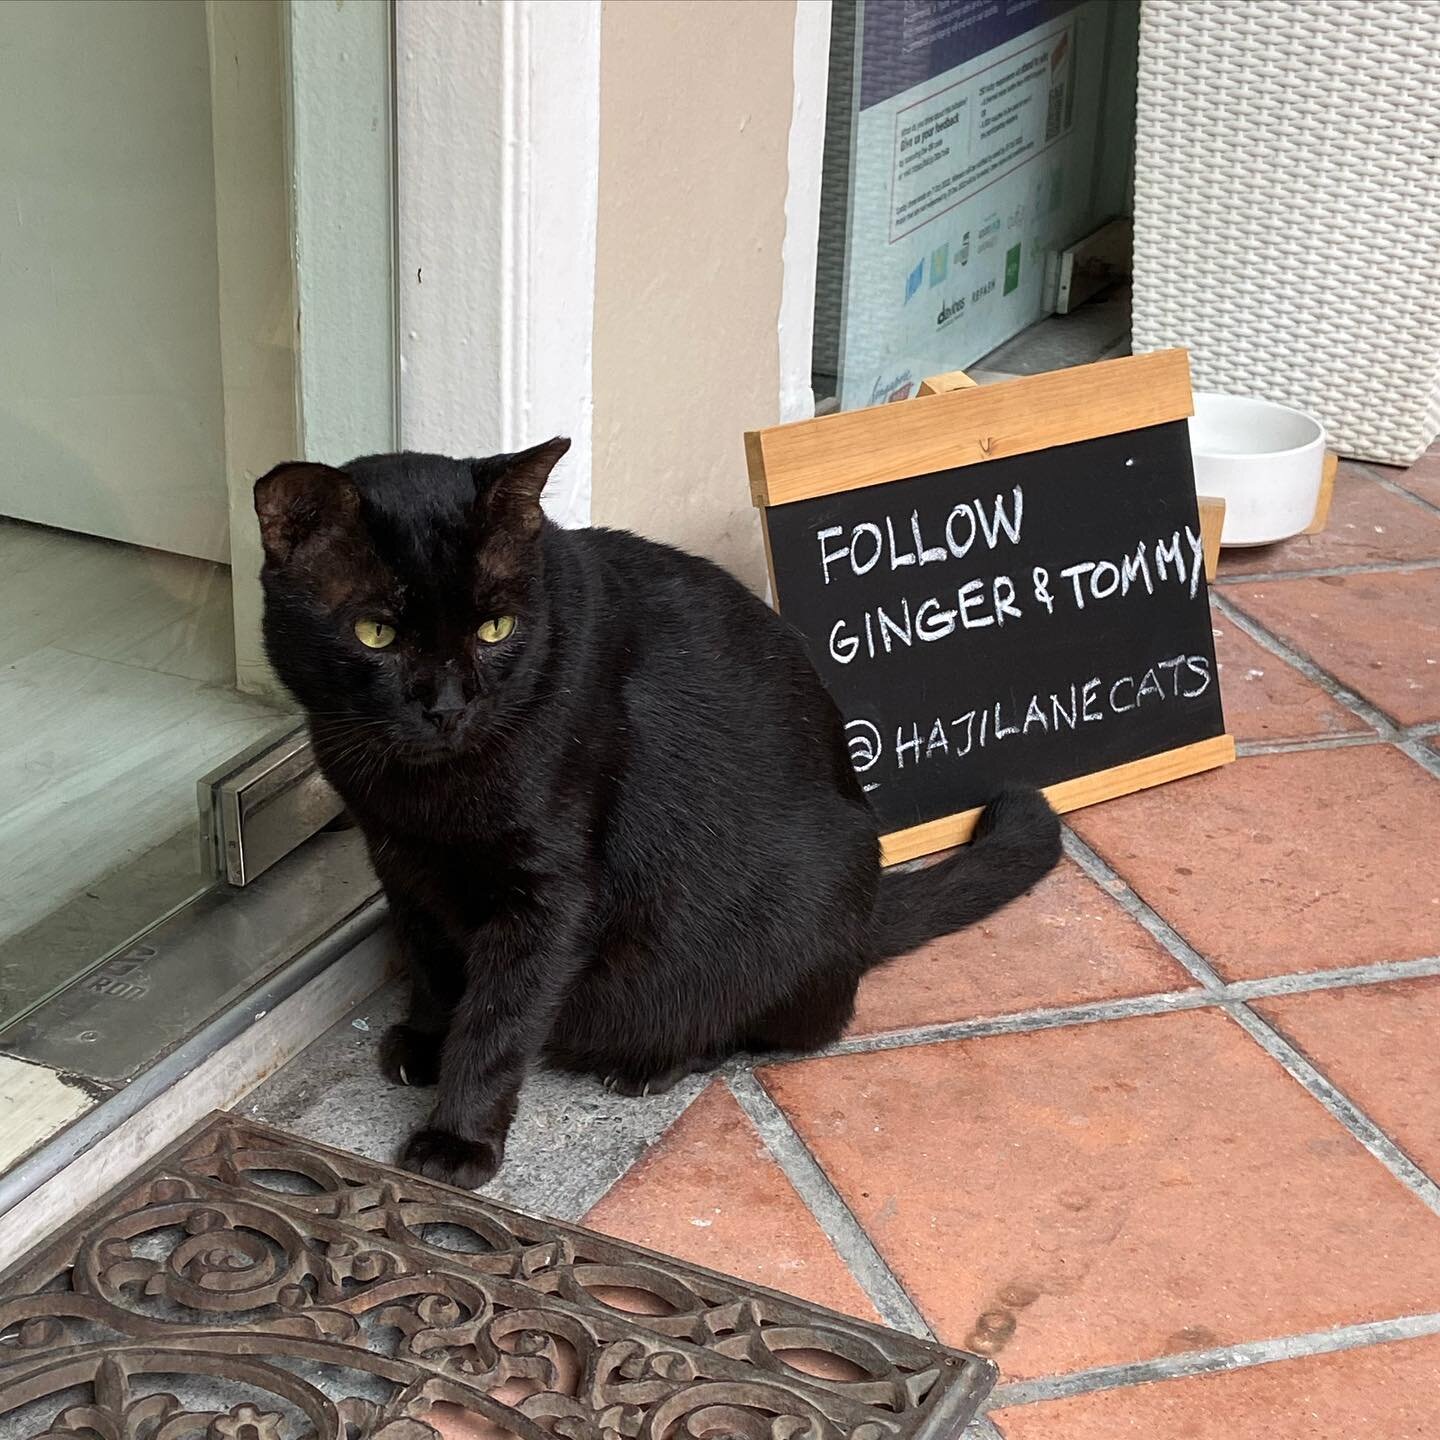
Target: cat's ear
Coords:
[(512, 501), (298, 500)]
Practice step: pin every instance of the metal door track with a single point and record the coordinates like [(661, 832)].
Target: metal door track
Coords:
[(247, 1285)]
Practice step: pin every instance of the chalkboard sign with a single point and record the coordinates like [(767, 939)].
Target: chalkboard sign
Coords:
[(1003, 584)]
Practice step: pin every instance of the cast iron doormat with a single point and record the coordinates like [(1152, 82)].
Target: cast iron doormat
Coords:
[(247, 1285)]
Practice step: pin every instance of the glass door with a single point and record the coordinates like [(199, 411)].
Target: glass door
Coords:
[(196, 241)]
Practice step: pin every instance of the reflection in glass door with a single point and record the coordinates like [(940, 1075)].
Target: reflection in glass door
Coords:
[(148, 373)]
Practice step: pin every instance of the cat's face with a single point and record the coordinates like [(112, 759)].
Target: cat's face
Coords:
[(400, 592)]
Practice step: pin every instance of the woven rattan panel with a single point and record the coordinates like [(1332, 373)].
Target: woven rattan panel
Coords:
[(1287, 207)]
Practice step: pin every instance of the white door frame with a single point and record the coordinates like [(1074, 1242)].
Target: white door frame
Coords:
[(307, 311), (341, 81), (497, 137), (801, 249)]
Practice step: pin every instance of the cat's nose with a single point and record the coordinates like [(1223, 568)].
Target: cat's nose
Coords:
[(445, 718), (445, 710)]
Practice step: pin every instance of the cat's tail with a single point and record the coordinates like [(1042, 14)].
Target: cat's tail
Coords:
[(1017, 842)]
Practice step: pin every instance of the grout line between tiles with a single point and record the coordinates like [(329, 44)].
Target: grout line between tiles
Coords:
[(1019, 1022), (1385, 972), (1345, 1110), (1422, 755), (1353, 702), (1093, 1012), (1320, 572), (1150, 919), (1246, 748), (1394, 486), (982, 1427), (835, 1218), (1210, 1362)]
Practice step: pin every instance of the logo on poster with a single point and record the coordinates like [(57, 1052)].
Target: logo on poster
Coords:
[(913, 281), (963, 249), (939, 264), (988, 235), (951, 310), (895, 387), (1012, 269)]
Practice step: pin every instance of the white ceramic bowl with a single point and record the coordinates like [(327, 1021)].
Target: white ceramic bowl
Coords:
[(1264, 459)]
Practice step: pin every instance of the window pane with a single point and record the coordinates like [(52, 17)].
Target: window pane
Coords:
[(968, 142)]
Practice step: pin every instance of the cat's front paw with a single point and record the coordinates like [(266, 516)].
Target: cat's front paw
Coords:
[(409, 1056), (445, 1156)]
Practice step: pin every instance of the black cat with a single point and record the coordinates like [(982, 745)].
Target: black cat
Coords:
[(608, 797)]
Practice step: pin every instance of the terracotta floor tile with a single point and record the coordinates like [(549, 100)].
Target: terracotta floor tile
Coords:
[(1065, 942), (1384, 1391), (1280, 863), (1107, 1193), (1368, 525), (1377, 633), (710, 1192), (1422, 478), (1379, 1044), (1266, 699)]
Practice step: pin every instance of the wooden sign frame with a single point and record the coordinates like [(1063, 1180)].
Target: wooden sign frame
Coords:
[(1211, 507), (954, 422)]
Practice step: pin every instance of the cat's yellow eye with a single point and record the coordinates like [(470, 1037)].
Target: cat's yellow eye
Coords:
[(492, 632), (374, 634)]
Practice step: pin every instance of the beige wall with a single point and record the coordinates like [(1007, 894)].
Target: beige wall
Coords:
[(695, 102)]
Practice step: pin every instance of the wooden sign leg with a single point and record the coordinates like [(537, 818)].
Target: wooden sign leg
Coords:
[(1327, 489), (950, 380), (1212, 522)]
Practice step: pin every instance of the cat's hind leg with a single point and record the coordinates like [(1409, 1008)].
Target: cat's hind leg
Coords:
[(816, 1016), (639, 1081)]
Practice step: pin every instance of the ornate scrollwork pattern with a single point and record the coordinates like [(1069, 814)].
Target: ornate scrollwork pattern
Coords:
[(249, 1286)]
